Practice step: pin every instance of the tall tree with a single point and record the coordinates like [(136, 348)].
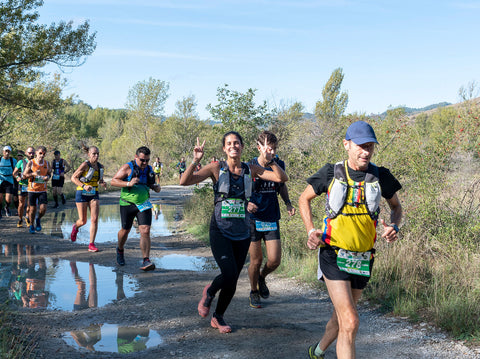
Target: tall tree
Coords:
[(334, 102), (26, 47), (145, 102), (237, 112)]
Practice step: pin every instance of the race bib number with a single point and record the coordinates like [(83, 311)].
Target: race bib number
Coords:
[(233, 208), (23, 189), (265, 226), (39, 179), (56, 177), (144, 206), (354, 262), (92, 192)]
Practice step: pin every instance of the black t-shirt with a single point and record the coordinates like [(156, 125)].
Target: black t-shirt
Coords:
[(322, 179), (264, 195)]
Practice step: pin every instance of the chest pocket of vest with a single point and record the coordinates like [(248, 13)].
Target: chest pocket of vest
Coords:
[(336, 197)]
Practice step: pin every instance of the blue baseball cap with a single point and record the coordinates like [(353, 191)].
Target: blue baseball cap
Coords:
[(360, 132)]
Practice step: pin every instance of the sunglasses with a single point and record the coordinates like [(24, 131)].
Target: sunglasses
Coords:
[(30, 153), (41, 153), (144, 160)]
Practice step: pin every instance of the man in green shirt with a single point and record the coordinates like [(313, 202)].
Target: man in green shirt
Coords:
[(135, 179)]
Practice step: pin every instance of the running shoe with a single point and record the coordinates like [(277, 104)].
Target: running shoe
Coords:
[(19, 223), (7, 212), (120, 258), (38, 228), (262, 288), (92, 248), (147, 265), (73, 235), (255, 300), (63, 199), (311, 352), (55, 205), (205, 302), (31, 229), (27, 221), (219, 323)]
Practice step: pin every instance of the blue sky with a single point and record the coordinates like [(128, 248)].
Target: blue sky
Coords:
[(412, 53)]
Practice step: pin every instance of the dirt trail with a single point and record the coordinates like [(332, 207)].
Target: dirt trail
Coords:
[(292, 319)]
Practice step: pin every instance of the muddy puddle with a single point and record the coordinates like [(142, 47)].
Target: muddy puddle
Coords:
[(35, 281), (59, 224), (184, 262), (113, 338)]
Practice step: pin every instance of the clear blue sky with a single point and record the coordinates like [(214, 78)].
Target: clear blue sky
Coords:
[(412, 53)]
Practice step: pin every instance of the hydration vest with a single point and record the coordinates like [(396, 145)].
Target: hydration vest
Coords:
[(338, 188), (147, 177), (88, 177), (223, 184)]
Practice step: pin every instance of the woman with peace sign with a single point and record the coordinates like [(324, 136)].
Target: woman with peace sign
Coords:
[(230, 223)]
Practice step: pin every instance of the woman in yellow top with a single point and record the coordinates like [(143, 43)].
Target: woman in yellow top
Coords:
[(87, 177)]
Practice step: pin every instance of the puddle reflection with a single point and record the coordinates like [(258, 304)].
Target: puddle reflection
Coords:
[(59, 224), (184, 262), (35, 281), (113, 338)]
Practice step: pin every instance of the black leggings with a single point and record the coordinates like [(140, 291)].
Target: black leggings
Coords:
[(230, 257)]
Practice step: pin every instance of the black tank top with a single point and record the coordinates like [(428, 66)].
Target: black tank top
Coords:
[(234, 228)]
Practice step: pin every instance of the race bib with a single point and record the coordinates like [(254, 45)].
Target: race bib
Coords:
[(265, 226), (23, 189), (56, 177), (354, 262), (144, 206), (233, 208), (39, 179), (92, 192)]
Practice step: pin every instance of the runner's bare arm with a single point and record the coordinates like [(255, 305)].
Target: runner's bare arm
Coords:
[(396, 212), (118, 179), (305, 209)]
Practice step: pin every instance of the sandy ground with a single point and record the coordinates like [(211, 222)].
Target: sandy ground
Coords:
[(166, 302)]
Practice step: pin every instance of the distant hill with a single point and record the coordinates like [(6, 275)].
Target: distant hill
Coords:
[(413, 111), (408, 110)]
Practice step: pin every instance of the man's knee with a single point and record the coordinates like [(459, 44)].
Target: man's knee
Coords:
[(350, 323)]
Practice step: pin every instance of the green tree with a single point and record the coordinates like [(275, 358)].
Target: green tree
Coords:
[(145, 102), (26, 47), (237, 112), (334, 102)]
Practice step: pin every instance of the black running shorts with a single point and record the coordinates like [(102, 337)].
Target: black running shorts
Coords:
[(128, 214), (330, 270)]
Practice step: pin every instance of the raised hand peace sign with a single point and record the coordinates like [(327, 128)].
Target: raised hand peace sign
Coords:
[(198, 151), (266, 150)]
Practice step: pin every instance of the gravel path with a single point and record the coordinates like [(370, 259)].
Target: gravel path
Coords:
[(165, 305)]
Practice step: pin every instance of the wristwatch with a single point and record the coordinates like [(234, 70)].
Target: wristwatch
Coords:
[(395, 227)]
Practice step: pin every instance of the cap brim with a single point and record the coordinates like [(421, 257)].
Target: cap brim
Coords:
[(363, 140)]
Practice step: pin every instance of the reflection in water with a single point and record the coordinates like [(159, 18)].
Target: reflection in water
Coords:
[(59, 224), (40, 282), (113, 338), (183, 262)]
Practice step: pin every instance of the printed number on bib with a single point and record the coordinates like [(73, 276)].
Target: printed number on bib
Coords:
[(56, 177), (233, 208), (39, 179), (144, 206), (354, 262), (24, 189), (89, 193), (265, 226)]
